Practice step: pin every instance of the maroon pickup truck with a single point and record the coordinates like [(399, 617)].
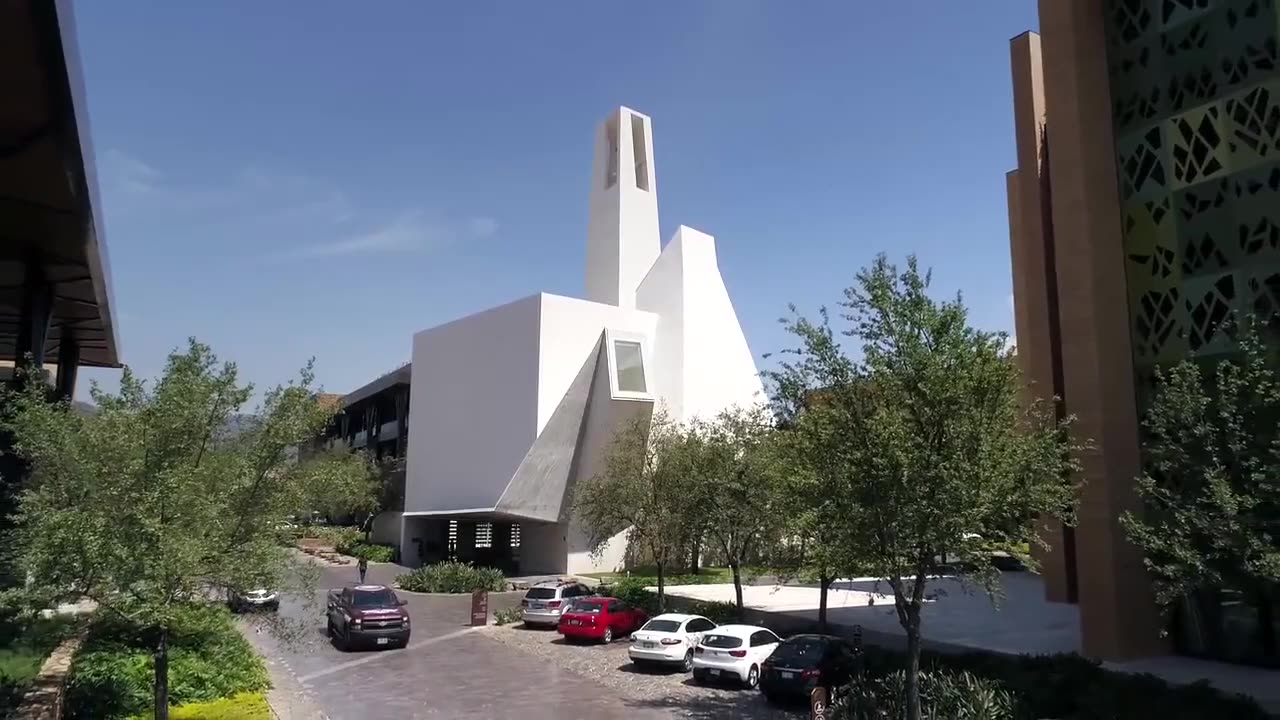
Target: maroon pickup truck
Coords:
[(367, 615)]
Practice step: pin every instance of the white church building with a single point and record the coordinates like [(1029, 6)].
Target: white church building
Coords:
[(512, 405)]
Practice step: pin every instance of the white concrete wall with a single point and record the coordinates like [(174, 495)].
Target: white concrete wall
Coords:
[(570, 330), (719, 368), (702, 355), (474, 404), (622, 224)]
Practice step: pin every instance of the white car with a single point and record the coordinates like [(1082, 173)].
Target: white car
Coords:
[(733, 652), (669, 639)]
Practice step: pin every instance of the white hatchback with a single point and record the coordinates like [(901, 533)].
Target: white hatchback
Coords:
[(669, 639), (733, 652)]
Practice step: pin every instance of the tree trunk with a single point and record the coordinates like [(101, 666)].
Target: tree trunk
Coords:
[(737, 586), (824, 583), (161, 658), (912, 685), (662, 595), (695, 556)]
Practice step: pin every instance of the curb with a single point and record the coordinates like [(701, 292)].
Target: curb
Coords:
[(44, 700)]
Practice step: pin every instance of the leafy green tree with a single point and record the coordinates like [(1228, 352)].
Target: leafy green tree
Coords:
[(735, 472), (641, 491), (1212, 482), (152, 503), (926, 441)]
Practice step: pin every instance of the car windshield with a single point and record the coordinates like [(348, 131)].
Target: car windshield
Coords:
[(540, 593), (722, 641), (372, 598), (662, 625), (803, 651), (586, 606)]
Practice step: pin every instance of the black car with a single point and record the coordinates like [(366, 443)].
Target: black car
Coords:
[(802, 662)]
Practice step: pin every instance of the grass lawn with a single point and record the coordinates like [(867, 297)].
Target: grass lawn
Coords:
[(23, 650)]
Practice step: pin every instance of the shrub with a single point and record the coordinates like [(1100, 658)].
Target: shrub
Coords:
[(369, 551), (632, 590), (452, 577), (26, 642), (943, 696), (241, 706), (508, 616), (112, 675)]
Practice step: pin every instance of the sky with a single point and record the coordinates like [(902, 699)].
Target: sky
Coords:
[(292, 180)]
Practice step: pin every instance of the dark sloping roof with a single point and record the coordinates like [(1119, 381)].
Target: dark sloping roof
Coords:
[(399, 376)]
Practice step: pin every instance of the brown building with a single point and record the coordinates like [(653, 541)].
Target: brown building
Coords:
[(1144, 209)]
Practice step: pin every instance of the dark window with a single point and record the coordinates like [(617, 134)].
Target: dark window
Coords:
[(372, 598), (802, 651), (585, 606), (661, 626), (569, 591), (724, 642), (763, 637), (700, 625), (617, 606), (540, 593)]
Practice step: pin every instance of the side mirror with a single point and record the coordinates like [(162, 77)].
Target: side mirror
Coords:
[(331, 605), (402, 602)]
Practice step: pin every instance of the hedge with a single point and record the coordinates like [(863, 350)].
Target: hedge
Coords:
[(632, 590), (112, 675), (452, 577), (369, 551)]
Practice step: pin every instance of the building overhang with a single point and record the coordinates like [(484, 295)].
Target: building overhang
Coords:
[(50, 223)]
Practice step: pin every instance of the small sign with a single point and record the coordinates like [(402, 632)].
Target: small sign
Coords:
[(480, 607), (818, 704)]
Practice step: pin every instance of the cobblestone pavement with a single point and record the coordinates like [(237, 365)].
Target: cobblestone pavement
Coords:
[(672, 691), (448, 670)]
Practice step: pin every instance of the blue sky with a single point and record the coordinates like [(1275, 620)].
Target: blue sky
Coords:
[(324, 178)]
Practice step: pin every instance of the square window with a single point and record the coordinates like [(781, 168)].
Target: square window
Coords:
[(629, 361)]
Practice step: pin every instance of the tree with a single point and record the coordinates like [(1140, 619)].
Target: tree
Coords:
[(928, 441), (815, 398), (736, 477), (1212, 483), (151, 504), (641, 491)]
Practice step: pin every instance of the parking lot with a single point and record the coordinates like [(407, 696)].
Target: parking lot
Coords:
[(639, 690)]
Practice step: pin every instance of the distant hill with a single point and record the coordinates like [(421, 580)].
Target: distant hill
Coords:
[(235, 424)]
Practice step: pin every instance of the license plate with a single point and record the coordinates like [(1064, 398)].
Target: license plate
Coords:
[(648, 646), (787, 675), (537, 606), (714, 672), (382, 641), (575, 622)]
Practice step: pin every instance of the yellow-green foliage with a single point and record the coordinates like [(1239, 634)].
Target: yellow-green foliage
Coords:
[(243, 706)]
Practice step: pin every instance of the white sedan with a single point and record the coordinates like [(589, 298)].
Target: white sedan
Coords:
[(669, 639), (733, 652)]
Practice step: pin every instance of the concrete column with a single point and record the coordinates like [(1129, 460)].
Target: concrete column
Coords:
[(1034, 278), (1117, 614), (37, 309), (68, 364)]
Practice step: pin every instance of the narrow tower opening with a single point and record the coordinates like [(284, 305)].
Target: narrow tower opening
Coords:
[(611, 166), (641, 152)]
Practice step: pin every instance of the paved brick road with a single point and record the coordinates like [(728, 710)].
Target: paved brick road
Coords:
[(448, 670)]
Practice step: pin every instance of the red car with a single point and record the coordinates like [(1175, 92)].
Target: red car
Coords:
[(600, 618)]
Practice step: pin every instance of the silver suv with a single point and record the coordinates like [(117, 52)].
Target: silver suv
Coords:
[(544, 602)]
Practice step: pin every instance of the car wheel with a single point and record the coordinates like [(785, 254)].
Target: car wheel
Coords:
[(328, 628), (688, 662), (753, 677), (608, 636), (344, 640), (699, 676)]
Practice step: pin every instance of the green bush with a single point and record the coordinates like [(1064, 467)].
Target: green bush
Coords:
[(241, 706), (369, 551), (508, 616), (1070, 687), (452, 577), (632, 590), (112, 675), (943, 696), (24, 644)]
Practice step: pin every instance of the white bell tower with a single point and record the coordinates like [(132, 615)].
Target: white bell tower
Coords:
[(622, 223)]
